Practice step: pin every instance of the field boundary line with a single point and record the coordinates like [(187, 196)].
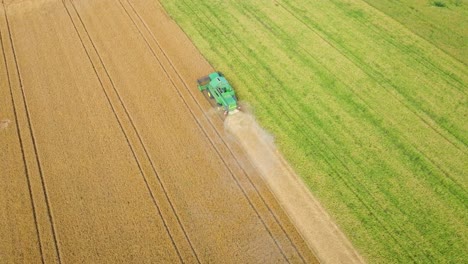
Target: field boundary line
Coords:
[(18, 131), (214, 129), (33, 138), (118, 119)]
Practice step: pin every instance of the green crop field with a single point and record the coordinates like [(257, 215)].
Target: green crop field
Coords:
[(367, 101), (446, 27)]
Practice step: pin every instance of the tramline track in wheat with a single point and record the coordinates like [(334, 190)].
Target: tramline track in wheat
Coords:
[(21, 230), (140, 141)]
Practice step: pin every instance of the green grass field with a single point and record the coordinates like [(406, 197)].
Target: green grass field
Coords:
[(368, 105)]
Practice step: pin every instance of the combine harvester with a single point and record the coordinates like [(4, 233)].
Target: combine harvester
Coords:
[(219, 89)]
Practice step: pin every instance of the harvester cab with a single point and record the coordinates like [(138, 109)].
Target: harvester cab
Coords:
[(219, 89)]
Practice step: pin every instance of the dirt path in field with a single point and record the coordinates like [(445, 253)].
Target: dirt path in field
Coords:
[(109, 154), (315, 225)]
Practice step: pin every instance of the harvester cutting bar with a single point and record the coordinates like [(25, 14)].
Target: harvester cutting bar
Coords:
[(204, 80)]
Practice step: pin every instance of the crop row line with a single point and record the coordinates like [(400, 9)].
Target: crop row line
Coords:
[(361, 99), (18, 132), (369, 3), (401, 102), (374, 75), (152, 164), (322, 66), (120, 122), (35, 148), (424, 62)]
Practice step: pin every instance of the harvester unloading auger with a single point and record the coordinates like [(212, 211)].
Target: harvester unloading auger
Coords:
[(219, 89)]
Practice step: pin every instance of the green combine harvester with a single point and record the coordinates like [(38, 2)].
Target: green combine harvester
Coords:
[(219, 89)]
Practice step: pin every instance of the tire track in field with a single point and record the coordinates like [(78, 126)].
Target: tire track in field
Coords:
[(18, 131), (369, 3), (425, 61), (203, 130), (28, 116), (436, 165), (355, 193), (273, 214), (388, 81), (390, 41), (396, 98), (417, 149), (120, 122), (400, 101)]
